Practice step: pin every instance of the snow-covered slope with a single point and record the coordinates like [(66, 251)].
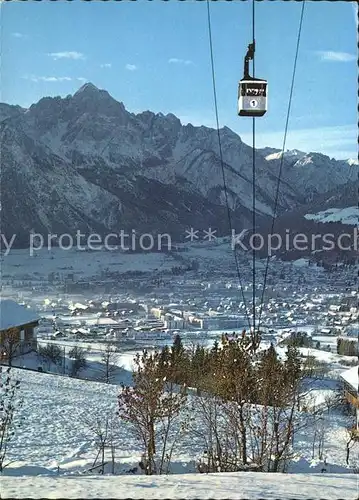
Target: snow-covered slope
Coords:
[(229, 485), (55, 430), (55, 443), (85, 163), (348, 215)]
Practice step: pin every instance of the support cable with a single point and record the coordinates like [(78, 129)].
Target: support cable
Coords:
[(221, 159), (253, 188), (282, 156)]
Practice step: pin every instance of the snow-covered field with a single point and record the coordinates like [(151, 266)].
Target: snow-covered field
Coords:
[(16, 263), (84, 264), (188, 486)]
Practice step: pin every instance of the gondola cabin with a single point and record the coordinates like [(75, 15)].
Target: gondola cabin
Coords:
[(252, 97)]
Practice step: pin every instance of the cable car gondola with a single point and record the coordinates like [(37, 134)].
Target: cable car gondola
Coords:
[(252, 92)]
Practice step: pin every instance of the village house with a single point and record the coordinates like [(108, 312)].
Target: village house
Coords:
[(17, 329), (351, 390)]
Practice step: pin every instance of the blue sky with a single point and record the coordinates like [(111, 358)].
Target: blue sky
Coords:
[(155, 55)]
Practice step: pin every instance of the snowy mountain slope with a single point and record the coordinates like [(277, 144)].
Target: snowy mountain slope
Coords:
[(349, 215), (314, 173), (333, 214), (85, 162)]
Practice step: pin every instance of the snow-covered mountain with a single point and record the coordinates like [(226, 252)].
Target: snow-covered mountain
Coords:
[(84, 162)]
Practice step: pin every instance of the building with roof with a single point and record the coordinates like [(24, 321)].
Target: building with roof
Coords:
[(17, 329), (351, 389)]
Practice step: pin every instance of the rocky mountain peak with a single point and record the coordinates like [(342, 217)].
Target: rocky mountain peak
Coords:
[(94, 100), (88, 88)]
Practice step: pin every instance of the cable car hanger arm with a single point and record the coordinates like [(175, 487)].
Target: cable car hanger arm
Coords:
[(249, 57)]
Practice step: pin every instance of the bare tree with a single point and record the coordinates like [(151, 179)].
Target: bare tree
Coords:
[(259, 396), (104, 429), (349, 445), (236, 383), (78, 355), (152, 410), (10, 344), (284, 410), (173, 423), (223, 412), (52, 353), (9, 405), (351, 439), (318, 438), (211, 426), (109, 360)]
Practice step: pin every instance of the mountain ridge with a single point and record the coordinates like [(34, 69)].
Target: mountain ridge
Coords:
[(103, 166)]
